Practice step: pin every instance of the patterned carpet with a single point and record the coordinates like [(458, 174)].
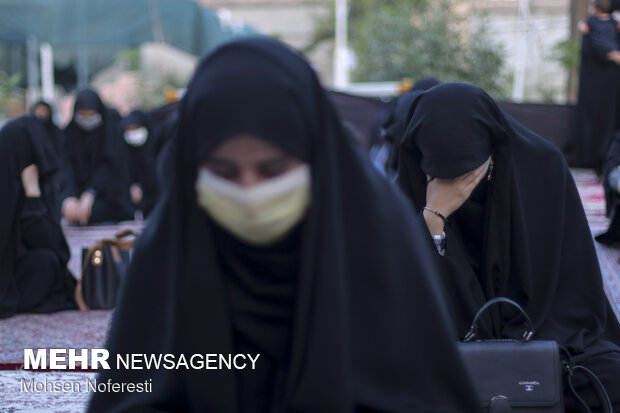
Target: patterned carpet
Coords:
[(15, 395), (66, 329), (87, 330), (593, 198)]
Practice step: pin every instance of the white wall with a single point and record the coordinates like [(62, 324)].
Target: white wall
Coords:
[(546, 27)]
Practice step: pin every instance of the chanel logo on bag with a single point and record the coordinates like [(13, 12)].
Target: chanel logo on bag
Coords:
[(529, 385)]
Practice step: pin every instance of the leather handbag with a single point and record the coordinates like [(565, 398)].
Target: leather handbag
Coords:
[(514, 375), (104, 266)]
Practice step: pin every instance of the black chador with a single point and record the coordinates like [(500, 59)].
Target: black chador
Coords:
[(96, 160), (599, 99), (33, 250), (522, 233), (142, 144), (344, 310)]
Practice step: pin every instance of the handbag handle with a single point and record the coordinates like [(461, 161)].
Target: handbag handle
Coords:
[(473, 330), (118, 241), (125, 233)]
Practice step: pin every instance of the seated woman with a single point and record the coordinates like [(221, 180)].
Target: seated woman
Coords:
[(142, 146), (96, 169), (515, 227), (44, 113), (385, 153), (277, 237), (33, 251)]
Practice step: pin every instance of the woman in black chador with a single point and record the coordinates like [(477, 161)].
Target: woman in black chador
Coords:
[(96, 168), (44, 113), (277, 237), (142, 145), (515, 227), (598, 103), (33, 251)]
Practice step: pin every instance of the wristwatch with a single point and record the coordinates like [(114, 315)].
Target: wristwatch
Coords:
[(440, 243)]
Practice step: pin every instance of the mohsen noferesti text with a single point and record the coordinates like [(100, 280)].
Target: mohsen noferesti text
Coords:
[(89, 385)]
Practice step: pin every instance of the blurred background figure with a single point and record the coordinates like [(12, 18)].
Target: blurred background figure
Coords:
[(393, 121), (165, 121), (96, 169), (142, 145), (598, 102), (44, 113), (33, 250)]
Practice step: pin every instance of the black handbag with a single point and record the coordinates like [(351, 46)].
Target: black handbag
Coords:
[(513, 375), (104, 266)]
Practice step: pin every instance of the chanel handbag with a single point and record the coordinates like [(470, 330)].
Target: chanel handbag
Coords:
[(522, 375), (104, 265)]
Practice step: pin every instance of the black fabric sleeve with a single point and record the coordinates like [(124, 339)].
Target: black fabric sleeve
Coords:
[(38, 230), (601, 44), (102, 177), (66, 175)]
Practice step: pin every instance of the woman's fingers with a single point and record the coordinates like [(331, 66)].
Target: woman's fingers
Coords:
[(447, 195), (84, 211), (479, 173)]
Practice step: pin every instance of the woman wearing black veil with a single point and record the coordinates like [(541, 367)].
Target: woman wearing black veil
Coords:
[(278, 237), (598, 102), (96, 167), (45, 114), (515, 227), (142, 146), (33, 250)]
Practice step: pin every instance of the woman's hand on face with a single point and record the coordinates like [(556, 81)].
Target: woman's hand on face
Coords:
[(447, 195)]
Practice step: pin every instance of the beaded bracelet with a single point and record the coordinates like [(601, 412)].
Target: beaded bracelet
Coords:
[(439, 214)]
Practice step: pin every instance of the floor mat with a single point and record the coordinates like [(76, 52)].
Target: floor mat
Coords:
[(65, 329)]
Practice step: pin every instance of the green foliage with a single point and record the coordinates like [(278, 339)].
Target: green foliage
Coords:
[(8, 88), (417, 39), (129, 59), (396, 39), (152, 90), (567, 53)]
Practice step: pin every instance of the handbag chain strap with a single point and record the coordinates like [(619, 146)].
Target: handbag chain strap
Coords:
[(572, 368), (473, 330)]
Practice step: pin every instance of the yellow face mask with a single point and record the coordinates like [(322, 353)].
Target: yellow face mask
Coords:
[(260, 214)]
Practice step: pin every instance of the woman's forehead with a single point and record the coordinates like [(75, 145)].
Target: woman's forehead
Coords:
[(246, 148)]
